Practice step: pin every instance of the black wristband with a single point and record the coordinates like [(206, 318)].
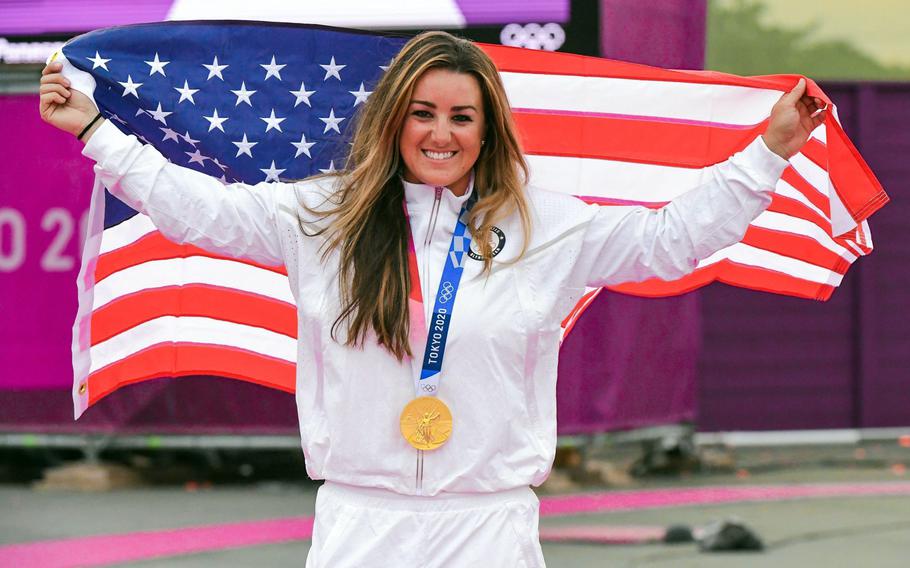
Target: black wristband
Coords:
[(89, 125)]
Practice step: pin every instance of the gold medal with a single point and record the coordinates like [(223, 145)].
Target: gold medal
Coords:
[(426, 423)]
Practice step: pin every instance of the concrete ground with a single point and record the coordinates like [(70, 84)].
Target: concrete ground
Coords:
[(830, 532)]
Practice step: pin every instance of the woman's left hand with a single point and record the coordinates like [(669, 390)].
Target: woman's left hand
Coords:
[(793, 118)]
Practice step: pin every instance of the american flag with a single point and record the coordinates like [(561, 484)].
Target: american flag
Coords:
[(252, 102)]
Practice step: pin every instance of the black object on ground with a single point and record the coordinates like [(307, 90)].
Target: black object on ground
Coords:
[(726, 535)]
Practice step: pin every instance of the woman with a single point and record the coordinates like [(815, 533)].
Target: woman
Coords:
[(375, 257)]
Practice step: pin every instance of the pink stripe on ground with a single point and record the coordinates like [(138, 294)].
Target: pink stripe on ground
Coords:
[(602, 534), (605, 502), (104, 550)]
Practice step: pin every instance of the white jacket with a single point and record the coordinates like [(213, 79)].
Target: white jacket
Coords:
[(499, 373)]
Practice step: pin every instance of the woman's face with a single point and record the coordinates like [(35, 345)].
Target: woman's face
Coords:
[(441, 135)]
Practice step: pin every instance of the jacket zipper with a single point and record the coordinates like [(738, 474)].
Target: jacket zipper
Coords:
[(428, 239), (428, 306)]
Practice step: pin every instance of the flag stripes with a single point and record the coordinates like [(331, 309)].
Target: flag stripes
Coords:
[(612, 133), (188, 359)]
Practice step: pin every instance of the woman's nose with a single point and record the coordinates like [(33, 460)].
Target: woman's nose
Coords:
[(441, 133)]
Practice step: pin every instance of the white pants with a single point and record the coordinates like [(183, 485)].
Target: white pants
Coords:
[(359, 527)]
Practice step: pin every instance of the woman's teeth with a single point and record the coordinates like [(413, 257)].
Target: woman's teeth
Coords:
[(438, 155)]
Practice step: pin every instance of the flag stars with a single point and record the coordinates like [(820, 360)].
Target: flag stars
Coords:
[(186, 93), (159, 114), (98, 61), (273, 122), (197, 157), (130, 88), (244, 147), (170, 134), (360, 95), (332, 70), (303, 147), (330, 169), (215, 121), (215, 69), (243, 96), (303, 96), (271, 173), (157, 66), (272, 69), (189, 140), (331, 122)]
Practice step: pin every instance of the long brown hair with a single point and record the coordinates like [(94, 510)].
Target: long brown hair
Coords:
[(368, 225)]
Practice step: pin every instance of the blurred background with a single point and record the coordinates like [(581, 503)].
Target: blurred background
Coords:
[(719, 385)]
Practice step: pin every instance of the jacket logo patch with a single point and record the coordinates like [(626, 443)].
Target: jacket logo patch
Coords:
[(497, 242)]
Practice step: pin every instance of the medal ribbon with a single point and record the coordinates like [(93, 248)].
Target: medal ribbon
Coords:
[(438, 326)]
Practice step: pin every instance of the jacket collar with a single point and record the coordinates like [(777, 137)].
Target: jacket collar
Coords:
[(421, 196)]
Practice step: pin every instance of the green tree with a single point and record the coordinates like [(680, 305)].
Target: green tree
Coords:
[(739, 42)]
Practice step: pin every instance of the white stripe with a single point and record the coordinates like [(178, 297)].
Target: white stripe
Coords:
[(616, 180), (193, 270), (785, 189), (786, 223), (725, 104), (865, 233), (349, 13), (816, 176), (126, 233), (751, 256), (852, 245), (820, 133), (192, 330)]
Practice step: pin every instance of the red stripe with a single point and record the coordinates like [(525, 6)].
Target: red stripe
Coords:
[(793, 208), (196, 300), (186, 359), (154, 246), (734, 274), (808, 190), (517, 60), (850, 237), (852, 178), (853, 181), (815, 150), (796, 246), (644, 140)]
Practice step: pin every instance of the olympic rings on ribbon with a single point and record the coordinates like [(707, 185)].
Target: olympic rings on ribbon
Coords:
[(548, 37), (446, 291)]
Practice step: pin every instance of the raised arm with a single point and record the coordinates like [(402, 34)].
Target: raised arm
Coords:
[(630, 244), (626, 244), (187, 206)]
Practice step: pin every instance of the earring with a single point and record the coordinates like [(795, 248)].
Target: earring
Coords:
[(482, 142)]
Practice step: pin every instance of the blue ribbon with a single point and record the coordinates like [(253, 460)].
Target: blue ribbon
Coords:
[(438, 326)]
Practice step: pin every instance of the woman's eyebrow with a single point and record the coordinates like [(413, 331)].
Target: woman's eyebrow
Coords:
[(433, 105)]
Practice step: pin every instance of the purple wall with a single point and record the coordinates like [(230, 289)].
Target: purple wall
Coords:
[(645, 370), (771, 362), (669, 33)]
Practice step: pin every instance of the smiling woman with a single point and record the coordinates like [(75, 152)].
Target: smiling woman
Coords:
[(434, 188), (443, 95), (442, 135)]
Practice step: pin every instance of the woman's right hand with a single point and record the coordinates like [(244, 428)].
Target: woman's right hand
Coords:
[(63, 107)]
